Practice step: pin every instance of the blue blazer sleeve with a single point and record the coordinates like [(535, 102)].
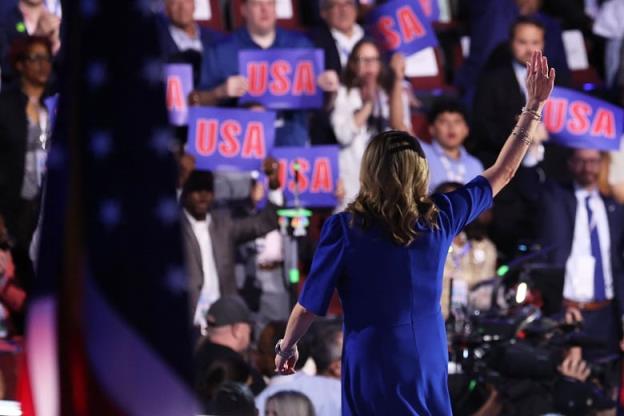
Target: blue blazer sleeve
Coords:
[(327, 266), (462, 206)]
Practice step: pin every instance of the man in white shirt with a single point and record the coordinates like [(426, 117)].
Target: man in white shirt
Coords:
[(210, 237), (584, 233)]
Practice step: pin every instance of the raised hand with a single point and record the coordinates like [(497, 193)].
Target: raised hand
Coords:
[(540, 79)]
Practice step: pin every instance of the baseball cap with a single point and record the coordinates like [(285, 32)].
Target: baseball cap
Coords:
[(228, 310)]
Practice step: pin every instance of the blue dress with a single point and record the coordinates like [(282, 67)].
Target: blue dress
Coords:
[(395, 351)]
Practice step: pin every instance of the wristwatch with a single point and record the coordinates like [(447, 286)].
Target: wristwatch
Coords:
[(285, 354)]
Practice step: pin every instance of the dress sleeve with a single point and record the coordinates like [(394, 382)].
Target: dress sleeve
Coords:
[(462, 206), (327, 266)]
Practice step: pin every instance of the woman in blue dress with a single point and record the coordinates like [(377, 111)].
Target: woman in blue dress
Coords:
[(385, 254)]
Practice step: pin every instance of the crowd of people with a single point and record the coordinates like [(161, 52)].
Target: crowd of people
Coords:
[(240, 293)]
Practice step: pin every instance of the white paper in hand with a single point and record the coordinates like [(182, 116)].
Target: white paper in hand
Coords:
[(422, 64), (576, 54), (202, 10)]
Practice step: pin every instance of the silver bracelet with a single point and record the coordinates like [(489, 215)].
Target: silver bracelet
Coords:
[(534, 114), (285, 354)]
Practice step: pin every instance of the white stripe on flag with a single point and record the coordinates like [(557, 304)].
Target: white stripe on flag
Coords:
[(42, 356)]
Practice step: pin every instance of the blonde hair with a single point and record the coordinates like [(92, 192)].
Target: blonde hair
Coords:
[(394, 177)]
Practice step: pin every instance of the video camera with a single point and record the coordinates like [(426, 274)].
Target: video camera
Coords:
[(516, 349)]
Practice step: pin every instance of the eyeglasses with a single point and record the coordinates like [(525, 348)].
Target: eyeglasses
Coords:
[(38, 58), (366, 60)]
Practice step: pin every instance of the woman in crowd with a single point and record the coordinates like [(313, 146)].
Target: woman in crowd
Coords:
[(386, 255), (372, 99)]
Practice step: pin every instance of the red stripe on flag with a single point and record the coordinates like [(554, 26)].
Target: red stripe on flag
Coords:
[(24, 392)]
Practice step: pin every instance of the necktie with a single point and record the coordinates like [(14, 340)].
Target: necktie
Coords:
[(599, 282)]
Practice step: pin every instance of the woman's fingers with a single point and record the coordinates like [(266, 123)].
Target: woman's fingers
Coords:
[(545, 66)]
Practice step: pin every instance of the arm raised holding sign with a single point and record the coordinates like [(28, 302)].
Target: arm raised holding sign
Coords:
[(540, 82)]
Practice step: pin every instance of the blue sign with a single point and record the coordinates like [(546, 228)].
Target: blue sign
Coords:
[(402, 26), (577, 120), (179, 86), (282, 78), (230, 139), (310, 172)]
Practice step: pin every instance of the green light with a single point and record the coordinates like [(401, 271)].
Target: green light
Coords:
[(293, 213), (293, 276), (472, 385), (502, 270), (20, 27)]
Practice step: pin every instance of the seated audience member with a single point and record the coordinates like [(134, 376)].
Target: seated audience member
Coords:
[(448, 159), (210, 237), (323, 389), (259, 267), (584, 232), (233, 399), (337, 36), (471, 260), (24, 143), (222, 83), (218, 356), (372, 98), (26, 18), (289, 403), (183, 40)]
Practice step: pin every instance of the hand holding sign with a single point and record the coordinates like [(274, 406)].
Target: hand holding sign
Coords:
[(235, 86), (397, 64)]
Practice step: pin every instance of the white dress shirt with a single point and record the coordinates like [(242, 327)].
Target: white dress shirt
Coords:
[(345, 44), (184, 41), (579, 275), (521, 72), (210, 291)]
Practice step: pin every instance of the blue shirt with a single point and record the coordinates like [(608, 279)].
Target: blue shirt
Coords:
[(221, 61), (445, 169)]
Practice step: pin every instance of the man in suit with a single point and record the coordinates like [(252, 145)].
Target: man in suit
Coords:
[(337, 36), (500, 93), (183, 40), (210, 237), (584, 233)]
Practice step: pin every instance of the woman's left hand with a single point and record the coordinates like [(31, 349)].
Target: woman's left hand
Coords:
[(286, 366), (397, 64)]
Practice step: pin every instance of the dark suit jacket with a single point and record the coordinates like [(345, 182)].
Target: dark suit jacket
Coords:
[(497, 102), (13, 130), (321, 131), (173, 54), (556, 231), (225, 233)]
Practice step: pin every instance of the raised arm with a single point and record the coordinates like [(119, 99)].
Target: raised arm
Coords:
[(540, 81)]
